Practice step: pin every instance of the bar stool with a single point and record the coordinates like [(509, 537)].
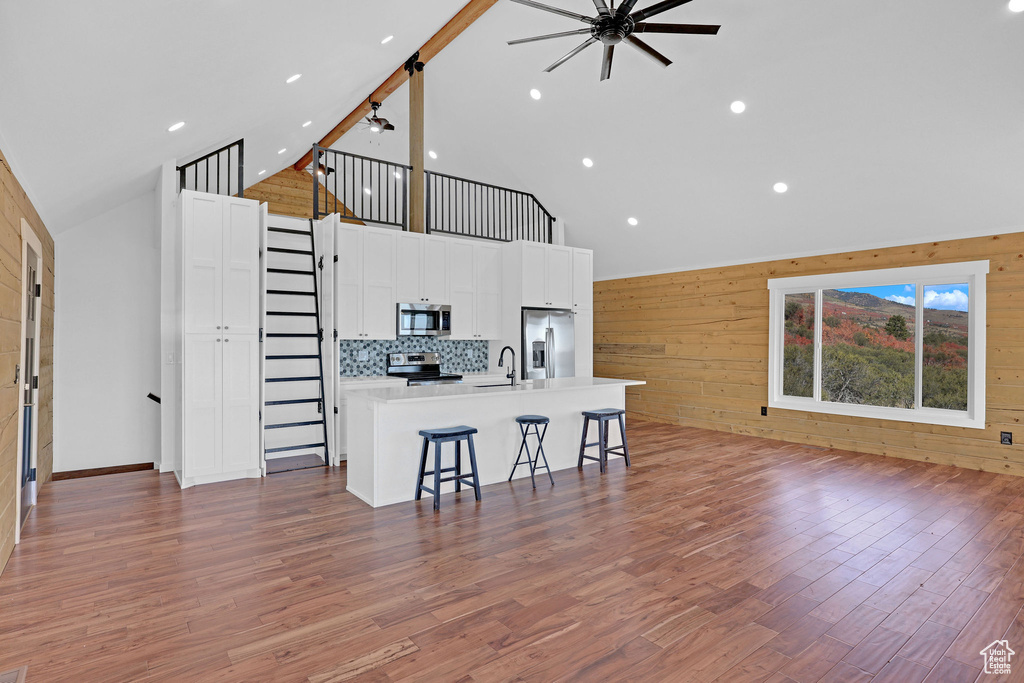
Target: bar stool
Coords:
[(525, 422), (438, 437), (603, 417)]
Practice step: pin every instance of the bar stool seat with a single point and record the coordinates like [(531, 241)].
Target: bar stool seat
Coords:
[(440, 436), (525, 423), (603, 416)]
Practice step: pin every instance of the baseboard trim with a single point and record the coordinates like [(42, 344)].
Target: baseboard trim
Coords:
[(100, 471)]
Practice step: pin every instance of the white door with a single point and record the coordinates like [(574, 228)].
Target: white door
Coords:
[(463, 285), (534, 274), (29, 380), (241, 267), (348, 285), (203, 407), (409, 264), (558, 277), (582, 279), (378, 310), (487, 269), (434, 267), (203, 261), (240, 394)]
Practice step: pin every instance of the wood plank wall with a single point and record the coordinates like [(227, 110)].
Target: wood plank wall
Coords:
[(15, 205), (289, 193), (700, 340)]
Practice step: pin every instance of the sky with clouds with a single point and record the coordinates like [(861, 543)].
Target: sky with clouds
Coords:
[(937, 297)]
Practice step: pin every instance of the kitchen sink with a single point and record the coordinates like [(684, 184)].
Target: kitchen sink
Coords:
[(488, 386)]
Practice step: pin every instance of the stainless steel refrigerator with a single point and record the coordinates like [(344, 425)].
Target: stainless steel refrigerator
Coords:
[(548, 343)]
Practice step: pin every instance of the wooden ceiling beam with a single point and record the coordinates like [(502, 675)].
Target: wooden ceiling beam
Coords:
[(473, 10)]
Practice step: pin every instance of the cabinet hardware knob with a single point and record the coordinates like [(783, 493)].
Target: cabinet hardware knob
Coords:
[(226, 341), (225, 327), (218, 327), (218, 340)]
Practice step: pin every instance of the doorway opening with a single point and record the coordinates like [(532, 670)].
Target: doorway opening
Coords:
[(27, 373)]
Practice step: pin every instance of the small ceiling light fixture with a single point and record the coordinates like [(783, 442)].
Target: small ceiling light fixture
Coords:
[(176, 126), (632, 221), (398, 175), (433, 154), (535, 94), (1017, 5), (307, 124), (781, 188), (367, 190), (282, 150), (588, 162), (386, 40), (378, 124), (738, 107), (294, 78), (322, 169), (262, 172)]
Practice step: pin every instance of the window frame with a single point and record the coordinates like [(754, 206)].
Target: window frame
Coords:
[(971, 272)]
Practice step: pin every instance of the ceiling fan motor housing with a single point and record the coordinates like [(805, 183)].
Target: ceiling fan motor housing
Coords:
[(611, 30)]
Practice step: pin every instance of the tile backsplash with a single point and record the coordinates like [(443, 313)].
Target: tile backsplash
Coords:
[(456, 355)]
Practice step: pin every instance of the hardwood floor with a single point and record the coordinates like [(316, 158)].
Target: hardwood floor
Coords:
[(716, 557)]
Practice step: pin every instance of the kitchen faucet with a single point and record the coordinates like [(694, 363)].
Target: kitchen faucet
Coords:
[(512, 368)]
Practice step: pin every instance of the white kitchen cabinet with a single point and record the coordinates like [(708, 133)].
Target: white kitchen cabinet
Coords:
[(475, 290), (582, 280), (365, 283), (546, 275), (422, 269), (583, 331), (220, 348), (345, 385)]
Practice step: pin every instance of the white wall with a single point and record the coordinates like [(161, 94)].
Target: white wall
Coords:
[(107, 340)]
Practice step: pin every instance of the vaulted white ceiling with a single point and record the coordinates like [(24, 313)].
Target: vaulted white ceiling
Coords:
[(892, 123)]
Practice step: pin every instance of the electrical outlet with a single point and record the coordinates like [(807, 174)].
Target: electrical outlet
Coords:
[(764, 411), (363, 355), (1006, 438)]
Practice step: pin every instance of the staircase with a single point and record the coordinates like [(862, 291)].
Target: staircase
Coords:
[(294, 415)]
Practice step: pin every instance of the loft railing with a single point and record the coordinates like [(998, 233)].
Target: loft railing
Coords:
[(360, 188), (215, 171), (457, 206), (373, 191)]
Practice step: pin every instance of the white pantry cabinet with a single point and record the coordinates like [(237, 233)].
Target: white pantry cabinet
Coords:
[(475, 290), (220, 349), (422, 269), (546, 275), (365, 282)]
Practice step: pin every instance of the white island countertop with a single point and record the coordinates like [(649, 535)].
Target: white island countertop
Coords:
[(433, 392)]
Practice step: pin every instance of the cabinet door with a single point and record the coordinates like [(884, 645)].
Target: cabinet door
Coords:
[(534, 274), (241, 266), (240, 403), (409, 268), (558, 276), (379, 312), (582, 279), (202, 261), (487, 271), (463, 284), (583, 329), (348, 283), (203, 408), (434, 273)]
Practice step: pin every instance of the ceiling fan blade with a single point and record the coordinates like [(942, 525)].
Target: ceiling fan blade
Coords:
[(647, 50), (626, 7), (556, 10), (696, 29), (606, 63), (658, 8), (602, 8), (578, 32), (590, 41)]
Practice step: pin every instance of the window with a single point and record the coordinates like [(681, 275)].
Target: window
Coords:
[(897, 344)]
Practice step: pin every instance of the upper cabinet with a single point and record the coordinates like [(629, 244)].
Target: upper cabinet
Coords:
[(582, 280), (221, 264), (422, 269), (365, 282), (475, 290), (546, 275)]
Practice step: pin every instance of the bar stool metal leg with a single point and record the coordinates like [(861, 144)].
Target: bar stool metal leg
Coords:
[(625, 446), (458, 465), (476, 472), (602, 437), (583, 441), (540, 454), (423, 468), (522, 444), (437, 475)]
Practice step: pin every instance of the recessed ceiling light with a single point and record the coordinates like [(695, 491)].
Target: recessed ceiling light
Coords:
[(632, 221), (386, 40), (433, 154), (367, 190), (282, 150), (1017, 5), (176, 126), (262, 172), (587, 162), (294, 78), (738, 107), (781, 188), (535, 94), (306, 124)]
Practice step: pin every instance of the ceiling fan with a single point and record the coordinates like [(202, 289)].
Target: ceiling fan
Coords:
[(612, 26), (378, 124)]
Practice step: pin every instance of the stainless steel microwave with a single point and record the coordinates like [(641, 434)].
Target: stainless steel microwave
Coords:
[(424, 320)]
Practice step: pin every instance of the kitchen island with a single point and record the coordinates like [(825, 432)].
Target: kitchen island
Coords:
[(384, 445)]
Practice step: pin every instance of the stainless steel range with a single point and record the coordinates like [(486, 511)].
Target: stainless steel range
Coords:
[(420, 369)]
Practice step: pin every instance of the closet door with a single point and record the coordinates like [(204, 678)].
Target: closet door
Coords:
[(202, 261), (241, 386), (241, 314), (203, 389)]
